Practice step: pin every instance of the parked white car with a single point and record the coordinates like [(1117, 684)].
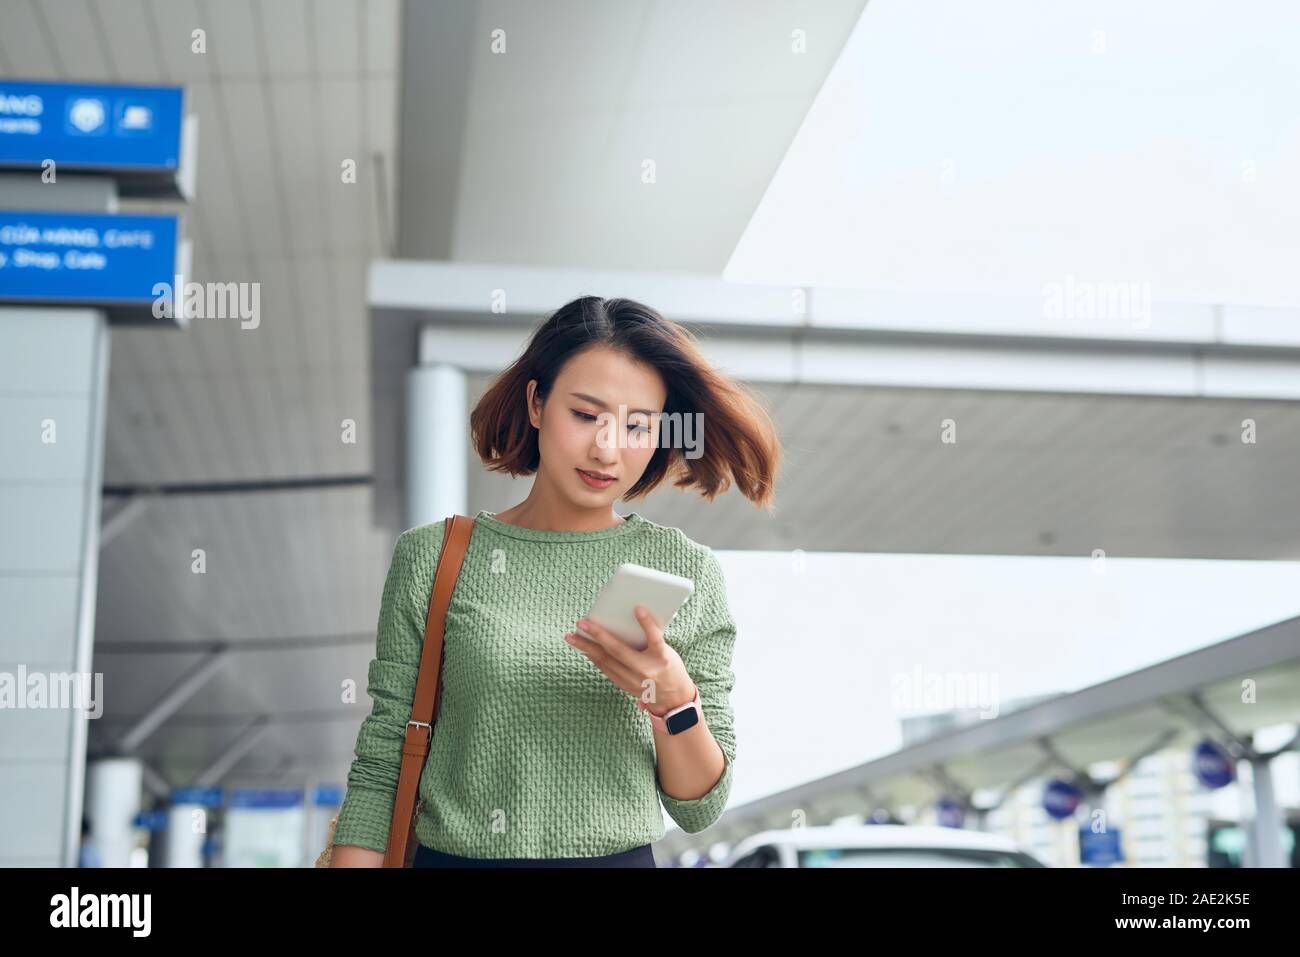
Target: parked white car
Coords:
[(877, 845)]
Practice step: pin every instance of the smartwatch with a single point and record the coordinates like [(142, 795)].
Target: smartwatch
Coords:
[(679, 719)]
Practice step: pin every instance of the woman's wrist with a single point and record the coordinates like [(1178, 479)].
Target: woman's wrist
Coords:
[(659, 708)]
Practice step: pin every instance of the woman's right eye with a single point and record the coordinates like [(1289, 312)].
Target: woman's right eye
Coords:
[(583, 415)]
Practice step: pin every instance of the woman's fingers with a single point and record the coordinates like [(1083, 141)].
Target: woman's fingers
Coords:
[(624, 678), (611, 644), (654, 631)]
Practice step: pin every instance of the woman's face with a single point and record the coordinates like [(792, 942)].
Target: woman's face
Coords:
[(615, 396)]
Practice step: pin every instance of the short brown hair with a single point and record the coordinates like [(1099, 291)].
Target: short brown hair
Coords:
[(740, 440)]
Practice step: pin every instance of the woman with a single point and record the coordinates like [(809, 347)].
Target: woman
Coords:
[(545, 751)]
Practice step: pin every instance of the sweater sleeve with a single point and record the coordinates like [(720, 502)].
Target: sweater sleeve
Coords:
[(707, 656), (367, 811)]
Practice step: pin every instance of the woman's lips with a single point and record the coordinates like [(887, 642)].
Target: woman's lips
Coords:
[(593, 481)]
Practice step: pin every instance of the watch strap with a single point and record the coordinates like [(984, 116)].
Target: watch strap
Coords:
[(661, 724)]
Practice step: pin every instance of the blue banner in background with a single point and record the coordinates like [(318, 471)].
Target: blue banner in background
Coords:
[(208, 797), (86, 258), (89, 126), (266, 798), (328, 795), (1100, 849)]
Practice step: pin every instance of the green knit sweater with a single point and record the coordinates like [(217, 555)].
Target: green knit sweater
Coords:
[(535, 752)]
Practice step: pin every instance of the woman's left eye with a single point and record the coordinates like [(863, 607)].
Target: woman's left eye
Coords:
[(591, 418)]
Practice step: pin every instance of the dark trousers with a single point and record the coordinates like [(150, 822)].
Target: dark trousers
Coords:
[(636, 857)]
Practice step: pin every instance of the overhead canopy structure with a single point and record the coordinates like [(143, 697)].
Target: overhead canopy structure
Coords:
[(1173, 704), (1068, 437)]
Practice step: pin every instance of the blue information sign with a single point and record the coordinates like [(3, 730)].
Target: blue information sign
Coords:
[(86, 258), (266, 798), (208, 797), (1100, 848), (328, 795), (1212, 765), (150, 820), (1061, 798), (87, 126)]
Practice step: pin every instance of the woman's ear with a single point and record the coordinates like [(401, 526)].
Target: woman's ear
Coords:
[(534, 407)]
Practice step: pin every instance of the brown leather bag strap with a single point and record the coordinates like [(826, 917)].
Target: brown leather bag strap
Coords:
[(424, 708)]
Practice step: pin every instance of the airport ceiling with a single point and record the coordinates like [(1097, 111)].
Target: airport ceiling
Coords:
[(209, 430)]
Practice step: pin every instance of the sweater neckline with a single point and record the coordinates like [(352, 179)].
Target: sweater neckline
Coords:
[(631, 523)]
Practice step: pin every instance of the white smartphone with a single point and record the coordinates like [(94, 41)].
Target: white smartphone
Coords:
[(632, 585)]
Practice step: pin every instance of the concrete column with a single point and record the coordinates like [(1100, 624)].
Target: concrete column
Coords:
[(113, 789), (437, 444), (53, 389), (183, 840), (1264, 835)]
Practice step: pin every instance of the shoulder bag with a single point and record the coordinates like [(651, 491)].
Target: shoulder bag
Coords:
[(402, 844)]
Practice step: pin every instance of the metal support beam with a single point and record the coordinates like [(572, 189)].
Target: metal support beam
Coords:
[(172, 701), (245, 742), (121, 519)]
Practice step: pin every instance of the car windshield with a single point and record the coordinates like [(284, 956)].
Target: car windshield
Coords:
[(913, 857)]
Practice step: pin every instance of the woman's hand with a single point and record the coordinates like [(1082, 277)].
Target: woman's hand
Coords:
[(654, 674)]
